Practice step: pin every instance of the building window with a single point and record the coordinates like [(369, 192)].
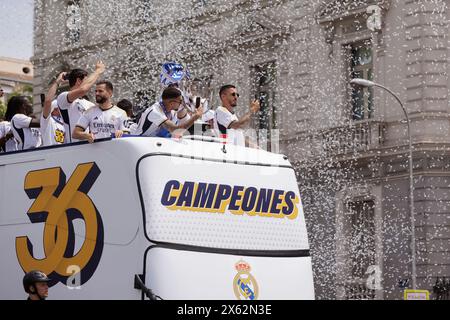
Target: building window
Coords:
[(73, 22), (360, 248), (362, 236), (360, 61), (265, 84)]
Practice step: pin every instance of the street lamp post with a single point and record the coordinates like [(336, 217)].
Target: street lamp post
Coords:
[(367, 83)]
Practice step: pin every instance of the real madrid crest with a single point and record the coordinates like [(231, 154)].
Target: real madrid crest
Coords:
[(244, 284)]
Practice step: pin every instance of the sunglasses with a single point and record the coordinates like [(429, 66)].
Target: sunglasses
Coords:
[(234, 94)]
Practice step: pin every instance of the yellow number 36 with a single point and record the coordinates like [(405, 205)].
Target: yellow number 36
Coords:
[(57, 204)]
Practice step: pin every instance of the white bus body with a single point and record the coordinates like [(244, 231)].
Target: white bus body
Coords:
[(183, 217)]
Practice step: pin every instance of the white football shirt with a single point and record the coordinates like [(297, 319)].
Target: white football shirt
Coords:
[(71, 113), (151, 121), (128, 124), (102, 123), (11, 144), (52, 130), (27, 138), (222, 121)]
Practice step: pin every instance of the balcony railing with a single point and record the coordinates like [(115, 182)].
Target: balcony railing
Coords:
[(357, 290), (361, 136)]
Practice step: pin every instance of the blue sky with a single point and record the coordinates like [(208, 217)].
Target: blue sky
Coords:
[(16, 28)]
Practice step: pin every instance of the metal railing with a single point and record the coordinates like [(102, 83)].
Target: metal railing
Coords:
[(360, 136), (356, 289)]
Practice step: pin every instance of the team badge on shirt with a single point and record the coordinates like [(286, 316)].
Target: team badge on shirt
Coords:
[(59, 136)]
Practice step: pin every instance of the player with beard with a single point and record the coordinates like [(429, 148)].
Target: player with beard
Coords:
[(103, 120), (226, 123)]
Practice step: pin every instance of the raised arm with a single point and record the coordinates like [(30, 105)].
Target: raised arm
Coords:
[(171, 127), (254, 108), (87, 83), (51, 95)]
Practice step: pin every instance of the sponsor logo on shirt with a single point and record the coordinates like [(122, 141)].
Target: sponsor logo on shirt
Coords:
[(103, 126)]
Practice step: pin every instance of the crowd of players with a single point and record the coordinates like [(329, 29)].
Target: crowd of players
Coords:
[(70, 117)]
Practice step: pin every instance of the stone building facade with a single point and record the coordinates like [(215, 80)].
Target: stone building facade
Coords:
[(349, 145)]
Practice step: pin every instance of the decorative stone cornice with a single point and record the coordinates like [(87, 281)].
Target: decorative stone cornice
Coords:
[(261, 26), (339, 18), (341, 9)]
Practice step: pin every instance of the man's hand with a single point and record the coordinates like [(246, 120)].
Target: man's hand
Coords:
[(254, 106), (198, 112), (90, 137), (87, 83), (100, 67), (118, 134), (60, 79)]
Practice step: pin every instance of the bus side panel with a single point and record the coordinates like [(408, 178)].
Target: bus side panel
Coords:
[(95, 235), (178, 274)]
